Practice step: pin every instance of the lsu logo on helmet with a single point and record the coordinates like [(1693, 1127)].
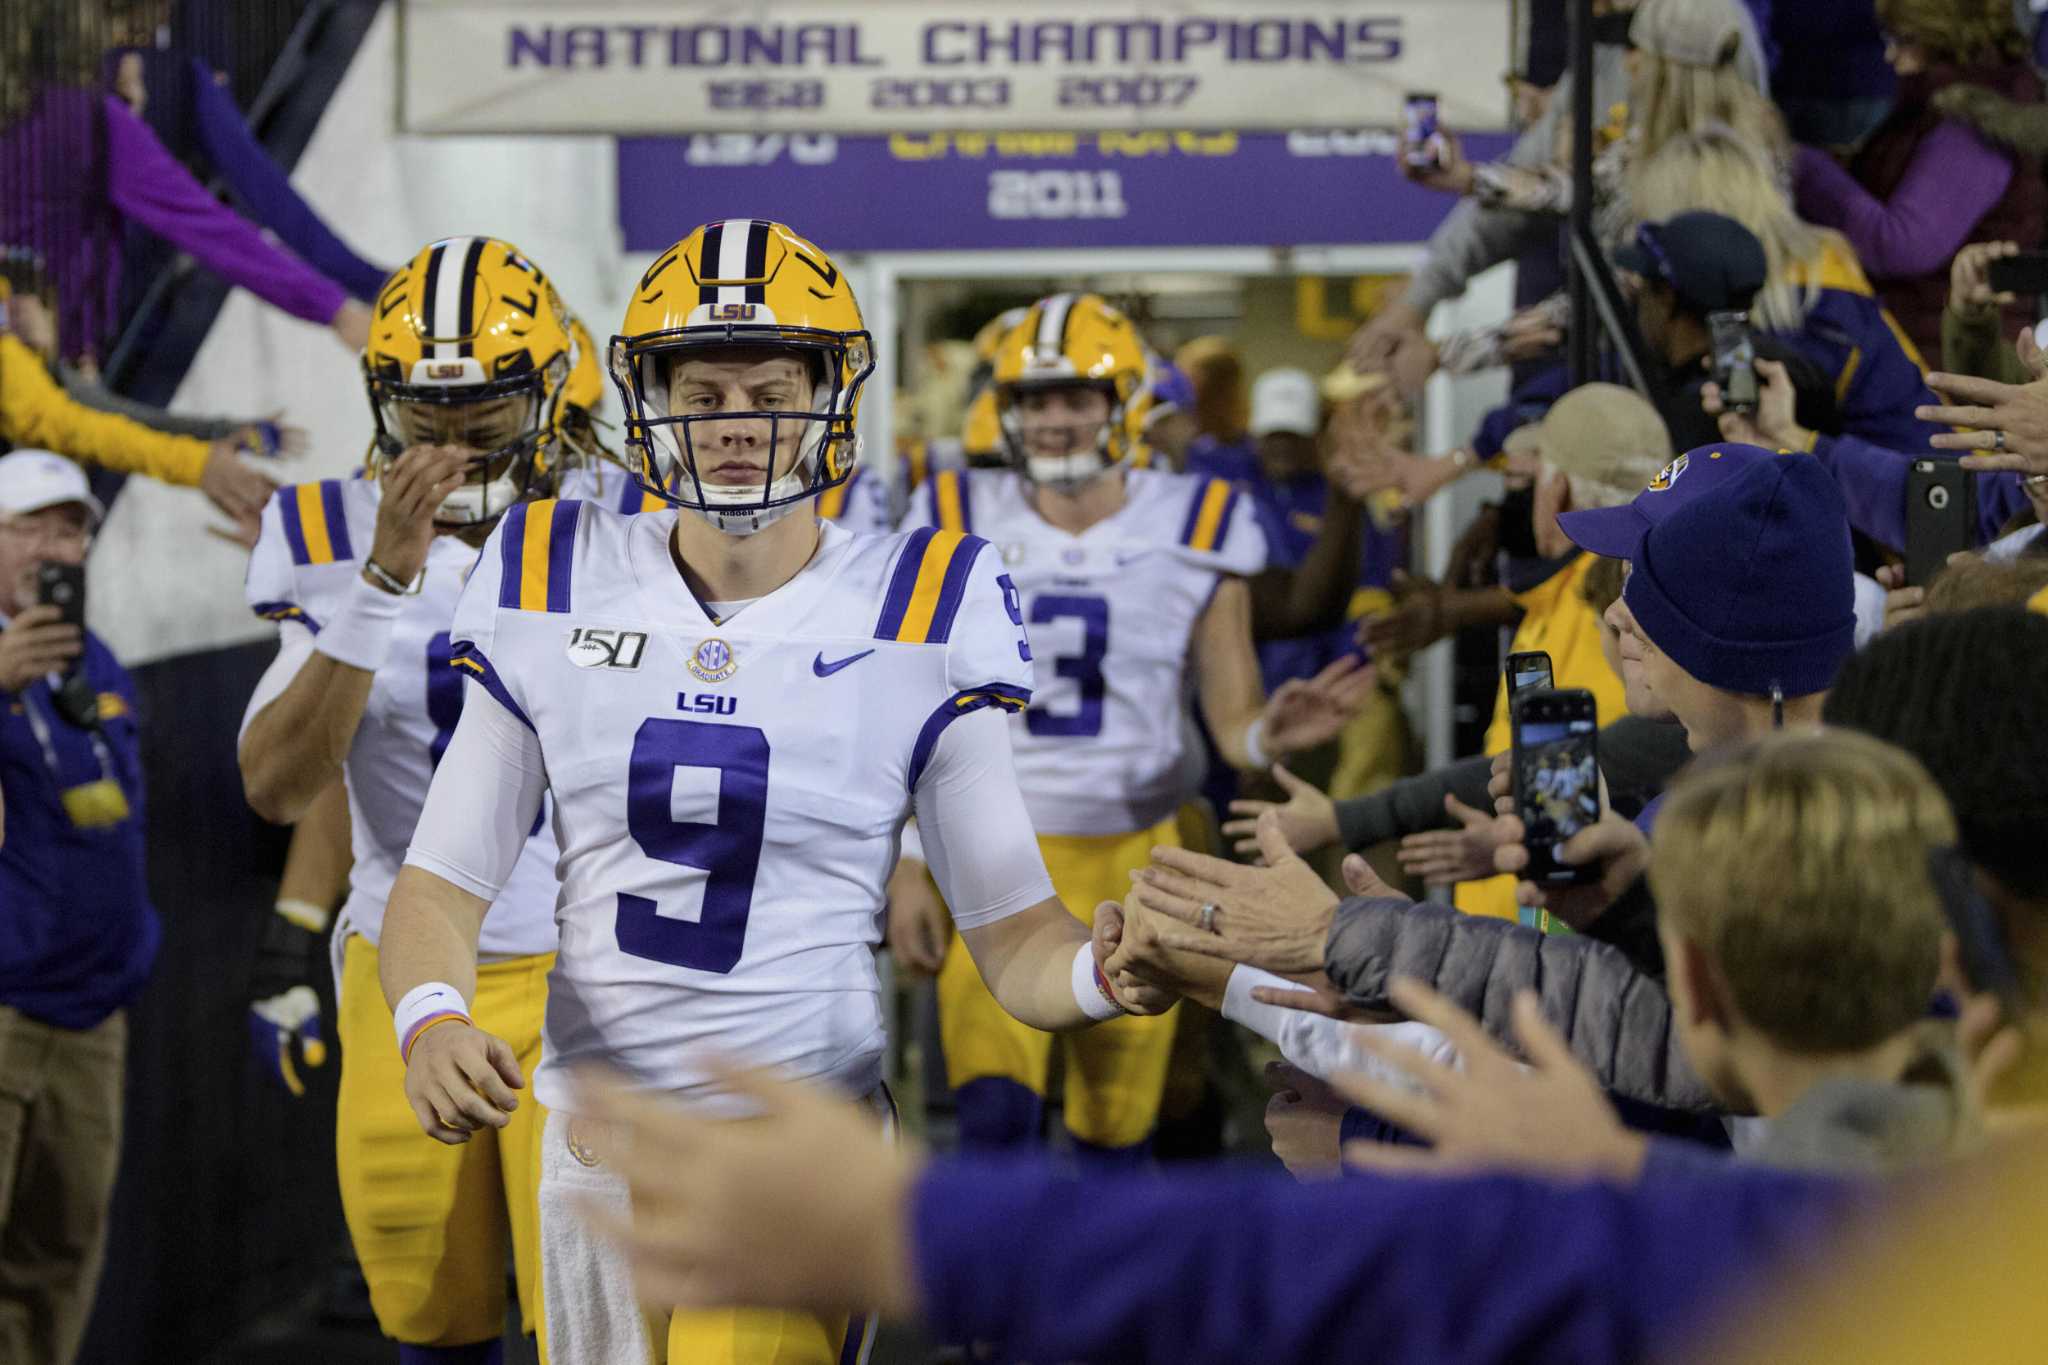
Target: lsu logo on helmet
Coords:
[(743, 283), (471, 346)]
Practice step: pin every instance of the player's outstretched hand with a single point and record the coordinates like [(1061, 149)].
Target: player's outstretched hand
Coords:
[(1138, 990), (1303, 713), (1140, 955), (920, 931), (1465, 853), (805, 1206), (1276, 917), (460, 1079), (1305, 1120), (1546, 1117), (1308, 818), (413, 492), (1611, 843)]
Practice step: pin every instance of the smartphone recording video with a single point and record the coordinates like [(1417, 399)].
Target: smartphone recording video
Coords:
[(1529, 671), (1557, 778), (1734, 360), (1422, 146)]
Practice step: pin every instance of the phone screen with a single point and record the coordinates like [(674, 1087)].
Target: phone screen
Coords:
[(1422, 131), (1529, 676), (1557, 788), (1734, 360)]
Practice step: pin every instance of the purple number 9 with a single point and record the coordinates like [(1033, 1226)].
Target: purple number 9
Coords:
[(727, 851)]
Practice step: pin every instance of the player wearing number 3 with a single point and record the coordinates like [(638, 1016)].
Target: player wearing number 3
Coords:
[(1127, 576), (735, 707), (466, 368)]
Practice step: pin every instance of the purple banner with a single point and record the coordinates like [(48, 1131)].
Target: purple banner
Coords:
[(969, 191)]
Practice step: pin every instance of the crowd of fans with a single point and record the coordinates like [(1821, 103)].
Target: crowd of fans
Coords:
[(1795, 978)]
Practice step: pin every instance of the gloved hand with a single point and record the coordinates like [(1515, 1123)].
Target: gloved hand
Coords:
[(284, 1016)]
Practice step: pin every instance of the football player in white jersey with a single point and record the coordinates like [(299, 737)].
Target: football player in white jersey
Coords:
[(735, 707), (466, 368), (1133, 583)]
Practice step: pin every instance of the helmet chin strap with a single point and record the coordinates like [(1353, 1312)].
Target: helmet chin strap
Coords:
[(1069, 473), (476, 503)]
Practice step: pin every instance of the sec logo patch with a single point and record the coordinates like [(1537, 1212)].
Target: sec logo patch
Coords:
[(713, 661)]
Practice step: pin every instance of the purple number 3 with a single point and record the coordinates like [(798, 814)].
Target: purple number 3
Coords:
[(727, 851)]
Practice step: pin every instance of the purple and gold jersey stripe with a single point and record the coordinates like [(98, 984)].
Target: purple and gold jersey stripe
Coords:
[(286, 611), (1004, 695), (924, 592), (832, 502), (537, 541), (635, 498), (949, 501), (1208, 515), (315, 526), (465, 658)]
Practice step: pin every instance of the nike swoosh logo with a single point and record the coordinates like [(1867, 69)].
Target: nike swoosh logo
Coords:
[(825, 670)]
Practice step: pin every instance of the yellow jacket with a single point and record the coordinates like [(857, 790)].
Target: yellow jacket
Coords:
[(1556, 620), (35, 411)]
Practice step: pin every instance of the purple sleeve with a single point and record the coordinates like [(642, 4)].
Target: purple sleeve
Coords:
[(1873, 483), (263, 186), (148, 185), (1216, 1265), (1953, 180)]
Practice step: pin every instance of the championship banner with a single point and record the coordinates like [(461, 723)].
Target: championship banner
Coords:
[(990, 191), (611, 66)]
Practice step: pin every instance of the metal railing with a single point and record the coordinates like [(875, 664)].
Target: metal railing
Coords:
[(1603, 338)]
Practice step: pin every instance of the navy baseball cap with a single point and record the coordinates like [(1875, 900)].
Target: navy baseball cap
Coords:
[(1713, 263), (1742, 568)]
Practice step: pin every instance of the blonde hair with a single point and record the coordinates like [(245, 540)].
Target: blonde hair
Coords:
[(1715, 169), (1800, 864), (1676, 97)]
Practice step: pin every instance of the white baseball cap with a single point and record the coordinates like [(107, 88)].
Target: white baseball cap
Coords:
[(1286, 400), (31, 480)]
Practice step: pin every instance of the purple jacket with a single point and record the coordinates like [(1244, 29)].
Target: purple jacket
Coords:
[(81, 162), (1230, 1265)]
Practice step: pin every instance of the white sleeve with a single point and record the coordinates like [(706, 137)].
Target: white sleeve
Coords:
[(1322, 1046), (294, 647), (977, 837), (485, 797)]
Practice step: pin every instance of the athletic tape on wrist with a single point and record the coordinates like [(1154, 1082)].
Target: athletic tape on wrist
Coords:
[(304, 914), (1254, 749)]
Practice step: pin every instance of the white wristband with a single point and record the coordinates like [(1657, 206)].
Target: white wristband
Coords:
[(308, 916), (425, 1005), (1255, 754), (360, 635), (1089, 993)]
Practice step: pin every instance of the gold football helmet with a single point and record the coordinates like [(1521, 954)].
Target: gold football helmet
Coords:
[(471, 347), (743, 284), (1069, 341)]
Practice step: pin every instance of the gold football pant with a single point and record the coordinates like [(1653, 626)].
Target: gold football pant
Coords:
[(593, 1314), (1115, 1071), (432, 1223)]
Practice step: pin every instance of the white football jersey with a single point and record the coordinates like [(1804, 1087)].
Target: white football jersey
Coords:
[(728, 793), (302, 570), (1111, 616), (859, 504)]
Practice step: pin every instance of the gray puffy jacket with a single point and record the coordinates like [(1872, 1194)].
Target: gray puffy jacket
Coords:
[(1616, 1017)]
